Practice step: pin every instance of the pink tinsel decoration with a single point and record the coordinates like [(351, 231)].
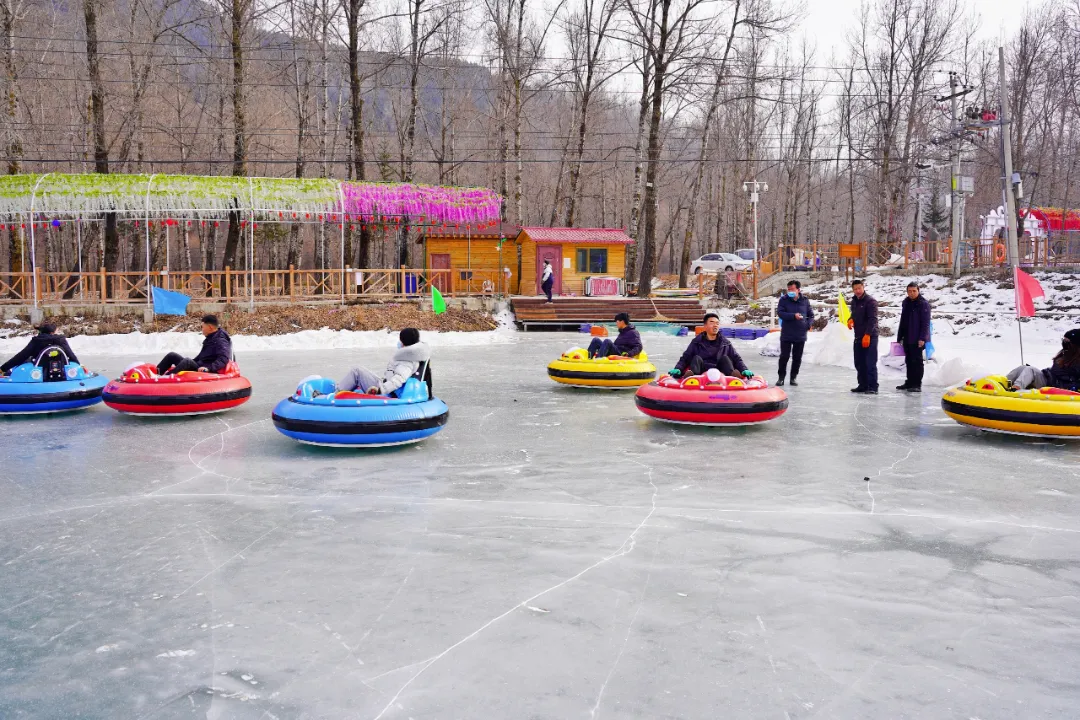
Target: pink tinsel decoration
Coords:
[(423, 203)]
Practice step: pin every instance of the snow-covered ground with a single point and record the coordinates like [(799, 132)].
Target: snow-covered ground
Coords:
[(975, 328)]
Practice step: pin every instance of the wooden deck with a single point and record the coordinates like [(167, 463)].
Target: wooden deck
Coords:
[(531, 311)]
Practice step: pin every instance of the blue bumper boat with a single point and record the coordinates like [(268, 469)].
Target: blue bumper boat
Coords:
[(318, 414), (50, 384)]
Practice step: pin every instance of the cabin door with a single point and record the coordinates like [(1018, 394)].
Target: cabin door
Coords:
[(554, 254), (440, 266)]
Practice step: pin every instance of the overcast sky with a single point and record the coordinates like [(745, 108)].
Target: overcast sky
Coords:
[(828, 20)]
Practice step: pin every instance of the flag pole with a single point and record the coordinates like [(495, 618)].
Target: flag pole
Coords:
[(1016, 304)]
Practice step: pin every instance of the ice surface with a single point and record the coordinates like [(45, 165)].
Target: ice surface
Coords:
[(552, 553)]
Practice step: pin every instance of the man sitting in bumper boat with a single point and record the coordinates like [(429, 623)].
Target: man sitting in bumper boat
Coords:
[(710, 349), (627, 344), (404, 363), (1063, 373)]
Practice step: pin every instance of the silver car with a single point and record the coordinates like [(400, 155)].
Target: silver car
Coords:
[(719, 262)]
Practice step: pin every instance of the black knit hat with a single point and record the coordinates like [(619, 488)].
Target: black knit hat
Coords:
[(1073, 336), (409, 336), (709, 315), (46, 328), (625, 317)]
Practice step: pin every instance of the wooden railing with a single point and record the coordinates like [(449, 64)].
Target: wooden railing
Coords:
[(234, 286)]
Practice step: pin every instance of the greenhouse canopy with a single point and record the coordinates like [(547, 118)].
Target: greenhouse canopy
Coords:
[(58, 194)]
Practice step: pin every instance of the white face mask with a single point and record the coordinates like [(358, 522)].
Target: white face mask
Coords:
[(399, 344)]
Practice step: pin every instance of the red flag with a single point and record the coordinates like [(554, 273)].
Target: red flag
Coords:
[(1027, 289)]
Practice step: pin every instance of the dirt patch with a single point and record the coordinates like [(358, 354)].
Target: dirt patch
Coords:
[(277, 320)]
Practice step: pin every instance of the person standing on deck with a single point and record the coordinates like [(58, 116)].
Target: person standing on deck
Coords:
[(547, 280)]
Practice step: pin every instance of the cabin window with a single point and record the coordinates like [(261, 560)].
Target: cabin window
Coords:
[(592, 260)]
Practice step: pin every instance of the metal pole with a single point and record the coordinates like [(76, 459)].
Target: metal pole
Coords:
[(341, 199), (33, 254), (149, 300), (78, 240), (757, 258), (954, 205), (1006, 145), (251, 247)]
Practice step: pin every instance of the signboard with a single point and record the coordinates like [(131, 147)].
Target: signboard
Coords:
[(963, 183), (850, 251)]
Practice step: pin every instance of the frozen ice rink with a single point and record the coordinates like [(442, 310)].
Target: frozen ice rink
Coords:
[(552, 553)]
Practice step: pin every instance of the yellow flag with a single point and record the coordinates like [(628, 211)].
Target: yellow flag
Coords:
[(842, 312)]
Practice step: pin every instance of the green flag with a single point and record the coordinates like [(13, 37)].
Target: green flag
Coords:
[(437, 302)]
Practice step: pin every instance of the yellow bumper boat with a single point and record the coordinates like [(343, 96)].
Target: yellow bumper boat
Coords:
[(612, 372), (989, 404)]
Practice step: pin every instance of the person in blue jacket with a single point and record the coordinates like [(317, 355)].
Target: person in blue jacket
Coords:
[(46, 338), (709, 349), (913, 334), (628, 342), (797, 316), (215, 354)]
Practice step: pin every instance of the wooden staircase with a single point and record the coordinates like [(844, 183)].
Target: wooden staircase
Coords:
[(531, 311)]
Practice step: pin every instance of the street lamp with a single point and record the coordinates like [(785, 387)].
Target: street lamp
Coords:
[(755, 188)]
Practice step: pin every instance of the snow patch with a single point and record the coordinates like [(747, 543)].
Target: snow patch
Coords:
[(152, 344), (176, 653)]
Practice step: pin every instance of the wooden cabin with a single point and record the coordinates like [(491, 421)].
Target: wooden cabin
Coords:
[(472, 257), (575, 254), (476, 256)]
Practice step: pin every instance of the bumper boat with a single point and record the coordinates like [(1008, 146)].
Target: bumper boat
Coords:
[(989, 404), (576, 369), (711, 399), (49, 384), (141, 391), (319, 414)]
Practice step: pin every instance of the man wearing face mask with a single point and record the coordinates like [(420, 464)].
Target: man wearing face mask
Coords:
[(403, 365), (797, 316), (1063, 373)]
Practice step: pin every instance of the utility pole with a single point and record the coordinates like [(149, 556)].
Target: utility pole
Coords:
[(956, 138), (1006, 156), (754, 188)]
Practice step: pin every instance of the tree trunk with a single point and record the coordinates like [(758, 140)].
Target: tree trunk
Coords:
[(353, 10), (236, 37)]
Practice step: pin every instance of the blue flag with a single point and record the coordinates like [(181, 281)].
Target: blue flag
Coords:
[(167, 302)]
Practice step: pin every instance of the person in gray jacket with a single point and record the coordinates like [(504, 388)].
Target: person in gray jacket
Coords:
[(404, 363)]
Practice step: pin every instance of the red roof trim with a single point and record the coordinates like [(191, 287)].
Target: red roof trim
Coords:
[(578, 236)]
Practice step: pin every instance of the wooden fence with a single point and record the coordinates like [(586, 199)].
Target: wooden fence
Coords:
[(237, 286)]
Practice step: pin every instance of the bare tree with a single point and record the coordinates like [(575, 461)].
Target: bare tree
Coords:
[(588, 30), (672, 33)]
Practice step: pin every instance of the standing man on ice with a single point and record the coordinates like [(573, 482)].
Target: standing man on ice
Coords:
[(913, 334), (864, 321), (547, 280), (797, 316)]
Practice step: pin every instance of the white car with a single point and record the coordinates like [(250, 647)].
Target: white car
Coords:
[(719, 262)]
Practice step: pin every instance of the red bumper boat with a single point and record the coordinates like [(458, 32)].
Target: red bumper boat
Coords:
[(711, 399), (141, 391)]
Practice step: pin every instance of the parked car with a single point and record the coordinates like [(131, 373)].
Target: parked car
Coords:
[(719, 262), (746, 253)]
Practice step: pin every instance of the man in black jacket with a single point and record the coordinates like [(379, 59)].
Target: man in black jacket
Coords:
[(797, 316), (710, 349), (45, 338), (215, 354), (864, 320), (628, 342), (913, 334)]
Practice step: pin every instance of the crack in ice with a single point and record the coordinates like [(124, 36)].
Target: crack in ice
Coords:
[(625, 548)]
